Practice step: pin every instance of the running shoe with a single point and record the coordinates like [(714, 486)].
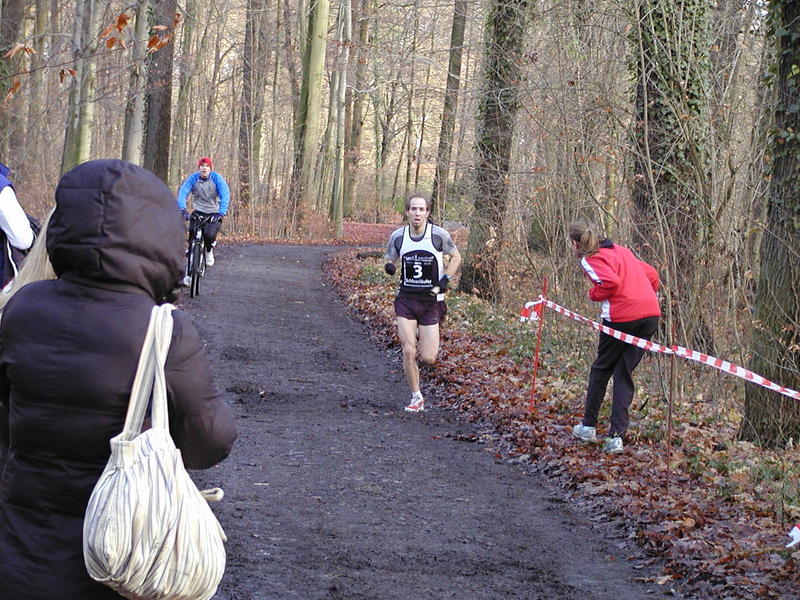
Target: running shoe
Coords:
[(210, 258), (417, 403), (582, 432), (613, 445)]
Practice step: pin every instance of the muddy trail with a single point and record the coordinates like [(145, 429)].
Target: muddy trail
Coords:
[(333, 492)]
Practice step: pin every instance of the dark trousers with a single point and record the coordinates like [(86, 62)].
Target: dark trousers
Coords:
[(618, 359), (210, 229)]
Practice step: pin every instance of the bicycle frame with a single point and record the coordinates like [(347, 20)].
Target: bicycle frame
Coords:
[(196, 256)]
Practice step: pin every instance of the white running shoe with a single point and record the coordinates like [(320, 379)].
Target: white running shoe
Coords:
[(613, 445), (210, 258), (582, 432), (417, 403)]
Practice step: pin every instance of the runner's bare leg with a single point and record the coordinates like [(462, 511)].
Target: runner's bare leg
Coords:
[(428, 343), (407, 332)]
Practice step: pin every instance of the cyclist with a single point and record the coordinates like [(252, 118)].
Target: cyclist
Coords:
[(419, 305), (210, 197)]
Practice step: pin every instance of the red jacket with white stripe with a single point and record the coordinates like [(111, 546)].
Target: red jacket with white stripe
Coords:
[(625, 285)]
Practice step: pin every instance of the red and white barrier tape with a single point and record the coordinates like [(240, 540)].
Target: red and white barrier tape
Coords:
[(533, 310)]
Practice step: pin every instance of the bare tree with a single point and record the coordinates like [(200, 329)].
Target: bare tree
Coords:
[(133, 135), (672, 200), (445, 151), (308, 113), (13, 12), (361, 58), (502, 74), (80, 119), (338, 97), (159, 95), (253, 69), (769, 418)]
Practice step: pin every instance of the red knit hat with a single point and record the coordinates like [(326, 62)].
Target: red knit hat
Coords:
[(205, 161)]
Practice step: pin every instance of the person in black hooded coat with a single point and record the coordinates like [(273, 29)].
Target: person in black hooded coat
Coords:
[(68, 354)]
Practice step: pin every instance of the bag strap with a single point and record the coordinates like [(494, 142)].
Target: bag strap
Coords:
[(150, 379), (160, 412)]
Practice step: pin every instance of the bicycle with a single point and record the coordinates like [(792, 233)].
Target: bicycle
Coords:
[(196, 256)]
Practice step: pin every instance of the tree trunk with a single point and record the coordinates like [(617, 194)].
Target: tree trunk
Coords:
[(384, 105), (184, 104), (13, 13), (88, 102), (159, 96), (308, 114), (769, 418), (337, 212), (133, 135), (249, 53), (269, 184), (36, 105), (206, 141), (264, 58), (461, 167), (763, 117), (672, 194), (445, 150), (409, 141), (254, 71), (323, 164), (289, 55), (353, 154), (420, 142), (504, 39), (80, 115)]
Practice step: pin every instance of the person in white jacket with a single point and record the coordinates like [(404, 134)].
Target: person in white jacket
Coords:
[(15, 226)]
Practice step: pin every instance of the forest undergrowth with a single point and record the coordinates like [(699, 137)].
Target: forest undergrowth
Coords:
[(714, 509)]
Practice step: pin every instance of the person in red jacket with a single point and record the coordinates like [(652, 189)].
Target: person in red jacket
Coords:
[(626, 287)]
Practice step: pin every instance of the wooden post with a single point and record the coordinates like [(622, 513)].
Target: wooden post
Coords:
[(538, 344), (671, 398)]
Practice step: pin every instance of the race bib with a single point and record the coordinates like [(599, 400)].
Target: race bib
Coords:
[(419, 270)]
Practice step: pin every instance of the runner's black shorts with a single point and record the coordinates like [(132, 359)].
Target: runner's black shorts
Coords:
[(422, 310)]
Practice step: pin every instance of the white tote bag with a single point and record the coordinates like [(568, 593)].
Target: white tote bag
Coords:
[(149, 532)]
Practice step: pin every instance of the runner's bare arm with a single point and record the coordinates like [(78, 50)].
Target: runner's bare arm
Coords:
[(454, 263)]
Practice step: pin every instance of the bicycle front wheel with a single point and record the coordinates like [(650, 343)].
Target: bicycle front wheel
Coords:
[(198, 266)]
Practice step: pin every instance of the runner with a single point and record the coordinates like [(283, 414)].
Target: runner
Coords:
[(419, 305), (627, 288), (210, 197)]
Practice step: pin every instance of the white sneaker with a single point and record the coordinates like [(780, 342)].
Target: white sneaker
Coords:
[(613, 445), (187, 281), (210, 258), (582, 432), (417, 403)]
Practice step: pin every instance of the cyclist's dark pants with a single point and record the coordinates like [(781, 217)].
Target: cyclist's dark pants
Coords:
[(210, 229)]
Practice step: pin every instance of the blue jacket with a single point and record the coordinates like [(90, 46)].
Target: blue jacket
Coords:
[(4, 180), (222, 190)]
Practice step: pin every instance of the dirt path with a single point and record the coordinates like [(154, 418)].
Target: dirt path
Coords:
[(334, 492)]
